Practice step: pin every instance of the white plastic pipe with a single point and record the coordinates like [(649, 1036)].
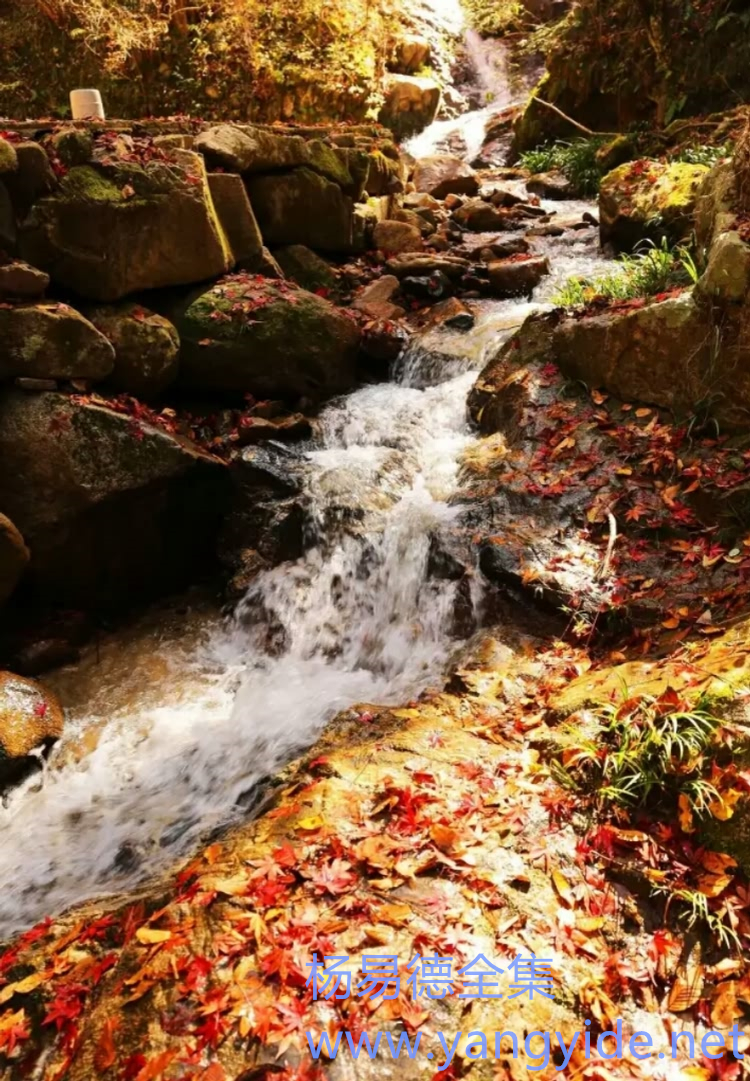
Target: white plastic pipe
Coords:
[(86, 105)]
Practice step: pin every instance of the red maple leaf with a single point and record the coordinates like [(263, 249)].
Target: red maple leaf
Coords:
[(334, 877)]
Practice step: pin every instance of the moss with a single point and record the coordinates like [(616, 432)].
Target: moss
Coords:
[(85, 182), (8, 159)]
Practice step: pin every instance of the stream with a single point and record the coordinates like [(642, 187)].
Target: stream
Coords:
[(175, 721)]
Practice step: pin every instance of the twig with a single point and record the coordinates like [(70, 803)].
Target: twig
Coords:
[(581, 127), (602, 573)]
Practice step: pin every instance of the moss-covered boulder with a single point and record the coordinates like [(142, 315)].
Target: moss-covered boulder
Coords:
[(49, 340), (14, 557), (31, 720), (112, 508), (245, 149), (384, 174), (303, 207), (306, 268), (726, 279), (111, 230), (32, 178), (648, 199), (146, 348), (8, 157), (267, 337)]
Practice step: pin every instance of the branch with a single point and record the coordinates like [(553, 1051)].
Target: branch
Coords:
[(570, 120)]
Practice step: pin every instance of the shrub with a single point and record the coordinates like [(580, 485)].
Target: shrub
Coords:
[(651, 270), (577, 160)]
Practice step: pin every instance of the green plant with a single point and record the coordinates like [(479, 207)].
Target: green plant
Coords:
[(703, 155), (642, 748), (577, 160), (652, 269)]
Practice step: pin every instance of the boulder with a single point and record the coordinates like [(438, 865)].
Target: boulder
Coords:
[(376, 299), (8, 157), (420, 200), (73, 146), (444, 174), (21, 281), (112, 508), (306, 268), (410, 53), (252, 150), (32, 178), (237, 219), (384, 175), (414, 217), (31, 721), (50, 340), (552, 185), (517, 276), (266, 337), (648, 199), (451, 312), (113, 230), (302, 207), (396, 237), (726, 279), (410, 104), (146, 348), (500, 249), (409, 264), (14, 557), (481, 217)]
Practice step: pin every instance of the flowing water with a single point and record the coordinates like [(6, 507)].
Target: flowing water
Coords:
[(180, 717)]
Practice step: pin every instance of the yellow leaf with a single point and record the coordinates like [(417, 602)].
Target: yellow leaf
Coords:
[(625, 471), (149, 936), (561, 884), (394, 914), (589, 923), (312, 822), (643, 412), (30, 983), (723, 807)]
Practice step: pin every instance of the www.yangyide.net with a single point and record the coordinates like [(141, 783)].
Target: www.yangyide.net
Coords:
[(537, 1047)]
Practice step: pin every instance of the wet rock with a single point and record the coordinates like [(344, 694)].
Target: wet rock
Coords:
[(376, 299), (453, 202), (383, 341), (32, 178), (75, 479), (420, 200), (113, 230), (306, 268), (31, 720), (451, 312), (517, 276), (415, 264), (396, 237), (504, 197), (8, 157), (21, 281), (51, 341), (549, 228), (481, 217), (444, 174), (288, 429), (302, 207), (412, 217), (248, 565), (236, 218), (500, 249), (14, 557), (648, 199), (432, 287), (552, 185), (410, 104), (265, 337), (146, 348)]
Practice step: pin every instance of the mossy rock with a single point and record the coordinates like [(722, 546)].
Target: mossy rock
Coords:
[(146, 348), (73, 146), (306, 268), (75, 479), (302, 207), (51, 341), (270, 338), (8, 158), (110, 231), (649, 200)]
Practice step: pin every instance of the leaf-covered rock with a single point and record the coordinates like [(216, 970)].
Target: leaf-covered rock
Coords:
[(648, 199), (270, 338)]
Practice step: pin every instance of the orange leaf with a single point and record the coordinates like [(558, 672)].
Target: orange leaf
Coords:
[(105, 1053), (155, 1066)]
